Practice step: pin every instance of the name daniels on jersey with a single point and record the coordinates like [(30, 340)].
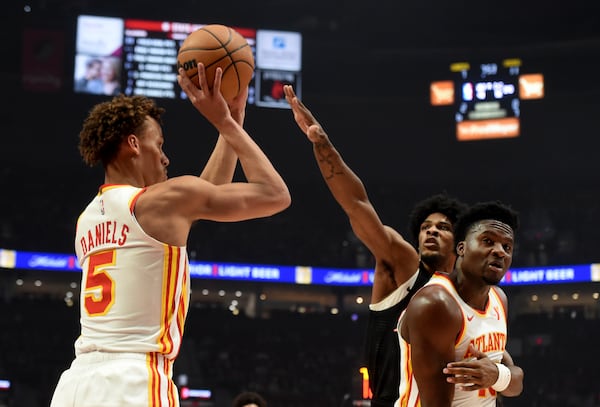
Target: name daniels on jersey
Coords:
[(490, 342), (109, 232)]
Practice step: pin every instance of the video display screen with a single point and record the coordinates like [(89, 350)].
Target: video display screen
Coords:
[(487, 97), (139, 57)]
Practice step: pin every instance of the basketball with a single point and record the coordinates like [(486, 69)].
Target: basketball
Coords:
[(217, 45)]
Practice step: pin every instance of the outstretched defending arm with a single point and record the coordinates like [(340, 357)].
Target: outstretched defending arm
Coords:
[(396, 259)]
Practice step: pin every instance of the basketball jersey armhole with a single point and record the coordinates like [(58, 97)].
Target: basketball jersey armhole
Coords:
[(444, 282), (397, 295), (134, 199)]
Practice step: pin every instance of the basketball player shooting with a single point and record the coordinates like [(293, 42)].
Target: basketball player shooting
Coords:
[(131, 242)]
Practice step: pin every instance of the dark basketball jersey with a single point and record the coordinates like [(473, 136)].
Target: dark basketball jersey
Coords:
[(382, 347)]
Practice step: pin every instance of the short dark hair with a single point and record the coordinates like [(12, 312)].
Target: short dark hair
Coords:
[(439, 203), (249, 397), (108, 123), (495, 210)]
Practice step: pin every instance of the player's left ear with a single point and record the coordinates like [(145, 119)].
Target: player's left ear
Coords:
[(133, 142)]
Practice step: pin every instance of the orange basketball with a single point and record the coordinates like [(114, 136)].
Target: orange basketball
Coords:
[(217, 45)]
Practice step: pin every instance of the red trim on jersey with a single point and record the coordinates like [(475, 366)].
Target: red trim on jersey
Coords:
[(463, 328), (408, 374), (170, 385), (183, 305), (134, 200), (410, 380), (493, 290), (154, 388), (165, 339), (105, 187), (487, 307), (443, 276)]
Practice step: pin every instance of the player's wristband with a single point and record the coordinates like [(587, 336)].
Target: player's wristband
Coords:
[(504, 376)]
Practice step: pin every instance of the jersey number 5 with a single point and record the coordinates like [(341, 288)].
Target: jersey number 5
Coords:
[(99, 287)]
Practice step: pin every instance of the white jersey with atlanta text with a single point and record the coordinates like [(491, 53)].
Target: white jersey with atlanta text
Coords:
[(486, 330), (134, 289)]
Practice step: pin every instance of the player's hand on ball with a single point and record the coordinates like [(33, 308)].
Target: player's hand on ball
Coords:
[(218, 46), (209, 102)]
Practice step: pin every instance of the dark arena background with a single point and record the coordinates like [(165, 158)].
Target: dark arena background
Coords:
[(386, 80)]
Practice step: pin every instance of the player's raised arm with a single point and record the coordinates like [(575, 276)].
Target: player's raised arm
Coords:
[(265, 193), (392, 252), (221, 164)]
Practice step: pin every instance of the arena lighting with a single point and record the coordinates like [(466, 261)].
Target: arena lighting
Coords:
[(301, 275), (202, 394), (4, 384)]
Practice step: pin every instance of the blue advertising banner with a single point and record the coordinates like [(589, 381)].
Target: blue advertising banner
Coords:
[(22, 260)]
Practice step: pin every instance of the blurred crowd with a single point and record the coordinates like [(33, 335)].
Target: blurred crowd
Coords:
[(292, 359)]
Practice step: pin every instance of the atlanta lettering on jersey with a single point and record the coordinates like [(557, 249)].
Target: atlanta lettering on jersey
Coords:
[(109, 232), (489, 342)]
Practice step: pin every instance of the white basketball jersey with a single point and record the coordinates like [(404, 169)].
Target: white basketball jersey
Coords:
[(134, 289), (486, 330)]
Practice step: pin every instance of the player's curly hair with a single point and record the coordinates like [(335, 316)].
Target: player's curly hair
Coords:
[(249, 397), (108, 123), (440, 203), (495, 210)]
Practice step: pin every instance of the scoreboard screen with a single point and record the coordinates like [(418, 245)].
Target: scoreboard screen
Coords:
[(139, 57), (487, 97)]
